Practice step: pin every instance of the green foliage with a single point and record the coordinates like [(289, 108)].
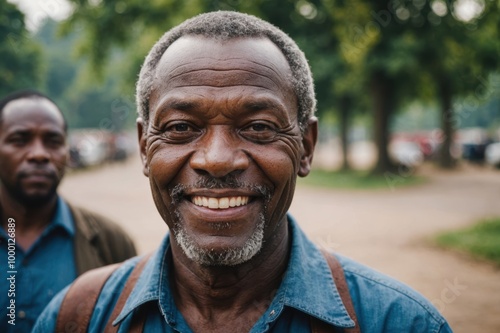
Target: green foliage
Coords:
[(69, 80), (360, 180), (481, 240), (19, 68), (351, 45), (460, 52), (125, 23), (60, 67)]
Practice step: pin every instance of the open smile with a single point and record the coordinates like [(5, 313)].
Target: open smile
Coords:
[(220, 203)]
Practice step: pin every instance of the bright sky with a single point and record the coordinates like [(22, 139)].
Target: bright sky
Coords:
[(37, 10)]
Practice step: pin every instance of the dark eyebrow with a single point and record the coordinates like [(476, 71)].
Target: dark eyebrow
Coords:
[(258, 105), (27, 132), (19, 131), (55, 133), (181, 105)]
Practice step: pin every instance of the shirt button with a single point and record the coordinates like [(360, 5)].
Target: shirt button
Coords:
[(21, 314), (272, 313)]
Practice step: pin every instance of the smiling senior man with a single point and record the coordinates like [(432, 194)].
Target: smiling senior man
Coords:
[(226, 125)]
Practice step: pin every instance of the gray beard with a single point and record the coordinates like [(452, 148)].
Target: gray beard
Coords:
[(229, 256), (226, 257)]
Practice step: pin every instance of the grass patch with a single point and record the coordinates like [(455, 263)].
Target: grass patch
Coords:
[(358, 180), (481, 240)]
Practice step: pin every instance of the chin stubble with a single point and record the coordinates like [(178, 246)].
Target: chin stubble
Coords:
[(225, 257)]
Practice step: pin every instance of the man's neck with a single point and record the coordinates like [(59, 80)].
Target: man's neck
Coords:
[(216, 297), (30, 220)]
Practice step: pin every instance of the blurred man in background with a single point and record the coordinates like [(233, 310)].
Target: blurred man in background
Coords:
[(45, 242)]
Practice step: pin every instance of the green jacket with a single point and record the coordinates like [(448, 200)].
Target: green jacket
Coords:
[(98, 241)]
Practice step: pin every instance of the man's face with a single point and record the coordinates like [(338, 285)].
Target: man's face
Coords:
[(223, 147), (33, 150)]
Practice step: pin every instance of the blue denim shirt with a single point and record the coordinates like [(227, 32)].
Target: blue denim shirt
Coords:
[(381, 303), (42, 271)]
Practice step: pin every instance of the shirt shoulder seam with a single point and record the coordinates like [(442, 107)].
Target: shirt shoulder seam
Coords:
[(438, 319)]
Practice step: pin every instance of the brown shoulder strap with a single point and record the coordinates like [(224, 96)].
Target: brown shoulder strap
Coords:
[(79, 302), (318, 326), (137, 323)]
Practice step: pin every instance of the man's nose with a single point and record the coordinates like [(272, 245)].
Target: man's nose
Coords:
[(220, 154), (38, 153)]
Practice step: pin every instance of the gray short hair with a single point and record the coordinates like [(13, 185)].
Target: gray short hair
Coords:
[(226, 25)]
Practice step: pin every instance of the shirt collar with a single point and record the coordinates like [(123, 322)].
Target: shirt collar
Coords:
[(63, 218), (307, 285), (149, 284)]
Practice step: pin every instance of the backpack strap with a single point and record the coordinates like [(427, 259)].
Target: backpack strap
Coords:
[(80, 300), (318, 326), (75, 314), (137, 324)]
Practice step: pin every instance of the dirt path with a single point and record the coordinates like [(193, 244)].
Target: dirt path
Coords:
[(387, 230)]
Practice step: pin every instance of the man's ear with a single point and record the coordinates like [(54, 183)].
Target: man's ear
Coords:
[(141, 135), (309, 139)]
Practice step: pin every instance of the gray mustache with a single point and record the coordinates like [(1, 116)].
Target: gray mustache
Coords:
[(229, 182)]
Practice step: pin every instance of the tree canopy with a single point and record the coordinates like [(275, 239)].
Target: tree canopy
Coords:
[(19, 68), (366, 56)]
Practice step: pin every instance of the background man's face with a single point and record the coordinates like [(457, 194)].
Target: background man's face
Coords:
[(223, 147), (33, 150)]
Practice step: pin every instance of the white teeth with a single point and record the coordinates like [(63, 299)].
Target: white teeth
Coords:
[(224, 203), (213, 203), (219, 203)]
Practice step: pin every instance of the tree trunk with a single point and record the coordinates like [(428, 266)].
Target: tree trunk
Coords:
[(445, 159), (382, 90), (344, 110)]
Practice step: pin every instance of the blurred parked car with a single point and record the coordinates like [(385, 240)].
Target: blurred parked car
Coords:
[(406, 153), (92, 152), (492, 154), (91, 147), (473, 142), (427, 141)]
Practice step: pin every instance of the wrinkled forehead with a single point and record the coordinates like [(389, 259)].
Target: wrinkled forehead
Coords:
[(200, 61)]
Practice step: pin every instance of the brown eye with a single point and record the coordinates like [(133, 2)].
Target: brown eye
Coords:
[(181, 127), (180, 132), (18, 140), (259, 132), (260, 127), (55, 141)]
